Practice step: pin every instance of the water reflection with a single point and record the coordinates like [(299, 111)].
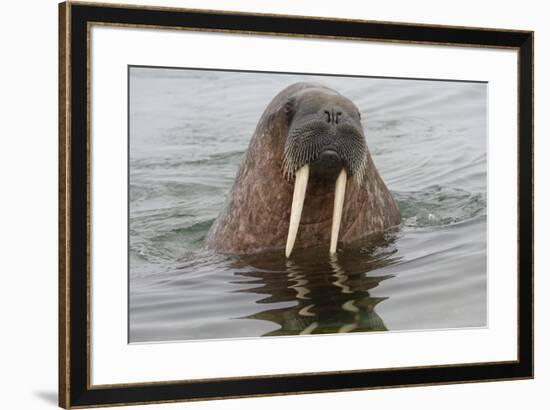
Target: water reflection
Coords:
[(316, 293)]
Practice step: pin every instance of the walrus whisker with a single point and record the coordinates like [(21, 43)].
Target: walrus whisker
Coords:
[(339, 194), (300, 186)]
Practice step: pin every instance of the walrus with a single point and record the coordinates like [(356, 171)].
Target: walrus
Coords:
[(308, 152)]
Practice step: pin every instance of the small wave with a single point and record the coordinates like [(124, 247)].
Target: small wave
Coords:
[(219, 158), (168, 246), (439, 206), (165, 162), (199, 228)]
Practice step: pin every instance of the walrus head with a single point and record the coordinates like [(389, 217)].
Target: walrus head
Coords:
[(325, 137), (324, 132), (308, 153)]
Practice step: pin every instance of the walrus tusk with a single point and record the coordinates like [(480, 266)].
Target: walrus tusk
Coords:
[(339, 193), (300, 186)]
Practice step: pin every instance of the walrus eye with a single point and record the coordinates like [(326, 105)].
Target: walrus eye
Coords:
[(289, 109)]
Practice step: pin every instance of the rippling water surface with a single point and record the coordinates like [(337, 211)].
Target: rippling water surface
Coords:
[(188, 132)]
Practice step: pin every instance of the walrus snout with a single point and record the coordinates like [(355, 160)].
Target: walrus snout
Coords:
[(325, 132), (328, 163), (330, 158)]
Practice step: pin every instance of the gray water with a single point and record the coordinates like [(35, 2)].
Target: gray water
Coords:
[(188, 132)]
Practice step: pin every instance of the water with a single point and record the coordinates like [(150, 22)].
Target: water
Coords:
[(188, 132)]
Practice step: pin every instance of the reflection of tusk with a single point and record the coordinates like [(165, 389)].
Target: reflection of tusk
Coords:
[(300, 186), (309, 329), (294, 274), (339, 274), (305, 311), (339, 193), (350, 307), (348, 328)]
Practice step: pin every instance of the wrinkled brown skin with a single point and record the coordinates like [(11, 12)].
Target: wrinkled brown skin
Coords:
[(257, 211)]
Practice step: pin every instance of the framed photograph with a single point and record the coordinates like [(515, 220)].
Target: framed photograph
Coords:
[(263, 204)]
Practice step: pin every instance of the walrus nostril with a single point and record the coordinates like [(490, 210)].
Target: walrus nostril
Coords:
[(332, 116)]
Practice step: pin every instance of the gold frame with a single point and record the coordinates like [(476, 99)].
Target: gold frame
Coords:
[(64, 173)]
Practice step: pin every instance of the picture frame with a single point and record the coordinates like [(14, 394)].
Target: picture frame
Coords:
[(76, 221)]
